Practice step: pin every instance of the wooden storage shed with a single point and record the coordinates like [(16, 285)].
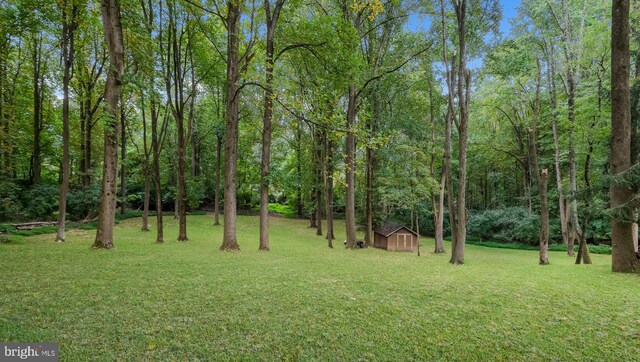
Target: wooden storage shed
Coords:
[(395, 237)]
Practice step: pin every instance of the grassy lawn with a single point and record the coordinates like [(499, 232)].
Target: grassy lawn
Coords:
[(303, 301)]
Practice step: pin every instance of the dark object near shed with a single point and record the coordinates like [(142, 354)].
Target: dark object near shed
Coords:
[(395, 237)]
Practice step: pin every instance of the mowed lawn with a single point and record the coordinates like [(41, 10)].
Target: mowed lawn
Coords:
[(302, 301)]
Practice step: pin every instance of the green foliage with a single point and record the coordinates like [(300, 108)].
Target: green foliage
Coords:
[(594, 249), (506, 225), (196, 192), (83, 202), (40, 202), (285, 210), (10, 204)]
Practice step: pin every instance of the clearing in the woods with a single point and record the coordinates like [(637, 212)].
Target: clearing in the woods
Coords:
[(303, 301)]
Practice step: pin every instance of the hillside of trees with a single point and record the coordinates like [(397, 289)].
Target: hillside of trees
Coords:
[(436, 113)]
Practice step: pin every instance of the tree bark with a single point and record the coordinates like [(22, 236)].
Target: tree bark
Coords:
[(464, 89), (329, 186), (156, 146), (318, 145), (272, 22), (447, 168), (216, 206), (350, 168), (113, 36), (299, 169), (68, 49), (123, 155), (38, 82), (147, 176), (231, 144), (623, 255), (541, 175)]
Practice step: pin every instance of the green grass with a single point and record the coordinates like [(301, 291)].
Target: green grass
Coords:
[(303, 301)]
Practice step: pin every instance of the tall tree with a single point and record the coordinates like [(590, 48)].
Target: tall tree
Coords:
[(38, 98), (113, 36), (234, 12), (623, 256), (541, 174), (272, 16), (69, 24), (178, 62)]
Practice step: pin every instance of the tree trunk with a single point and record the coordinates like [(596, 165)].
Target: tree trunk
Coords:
[(123, 155), (464, 89), (623, 255), (156, 146), (216, 206), (350, 165), (299, 170), (147, 177), (113, 36), (231, 143), (561, 202), (447, 167), (541, 176), (329, 185), (370, 169), (38, 82), (271, 21), (573, 210), (68, 30)]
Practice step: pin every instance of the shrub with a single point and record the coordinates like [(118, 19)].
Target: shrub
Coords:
[(9, 202), (83, 202), (513, 224), (40, 202), (196, 192)]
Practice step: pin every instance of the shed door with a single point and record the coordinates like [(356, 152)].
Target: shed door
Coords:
[(404, 242)]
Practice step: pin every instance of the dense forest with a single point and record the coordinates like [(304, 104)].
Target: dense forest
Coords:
[(436, 113)]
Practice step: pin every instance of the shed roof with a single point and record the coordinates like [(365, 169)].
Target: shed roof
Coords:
[(390, 227)]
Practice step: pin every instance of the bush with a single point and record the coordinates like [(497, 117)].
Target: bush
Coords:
[(513, 224), (196, 192), (40, 202), (9, 203), (83, 203), (594, 249)]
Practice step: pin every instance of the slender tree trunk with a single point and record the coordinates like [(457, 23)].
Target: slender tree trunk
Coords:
[(319, 141), (464, 89), (68, 30), (541, 176), (147, 176), (182, 183), (561, 201), (370, 169), (329, 183), (156, 146), (299, 169), (350, 168), (38, 81), (113, 36), (123, 155), (439, 226), (573, 211), (624, 258), (583, 249), (447, 167), (271, 21), (216, 206), (231, 144)]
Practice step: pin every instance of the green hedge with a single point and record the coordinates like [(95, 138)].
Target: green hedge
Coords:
[(594, 249)]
